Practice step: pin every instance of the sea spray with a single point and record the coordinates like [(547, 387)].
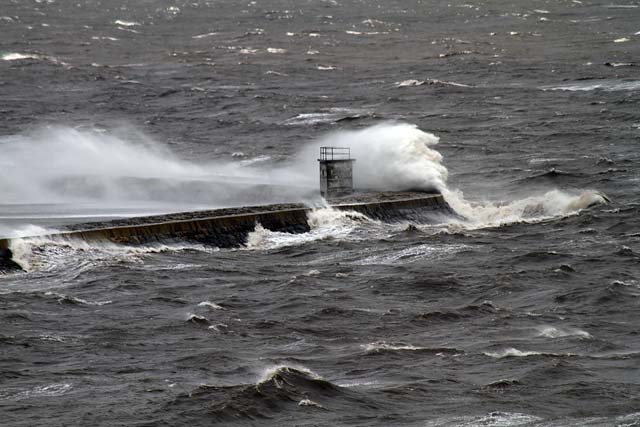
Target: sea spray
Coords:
[(124, 168), (389, 157)]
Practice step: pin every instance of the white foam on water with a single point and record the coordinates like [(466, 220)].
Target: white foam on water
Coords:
[(211, 305), (382, 345), (554, 332), (204, 36), (19, 56), (325, 223), (410, 83), (411, 254), (62, 298), (493, 419), (551, 204), (606, 85), (45, 253), (270, 372), (49, 390), (126, 23), (359, 383), (309, 402), (514, 352)]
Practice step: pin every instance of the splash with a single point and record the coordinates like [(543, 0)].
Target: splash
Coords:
[(324, 223), (389, 157), (553, 203), (43, 254)]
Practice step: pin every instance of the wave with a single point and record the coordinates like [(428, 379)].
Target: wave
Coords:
[(553, 332), (554, 203), (279, 388), (605, 85), (324, 223), (38, 392), (379, 347), (493, 419), (514, 352), (41, 254), (456, 314)]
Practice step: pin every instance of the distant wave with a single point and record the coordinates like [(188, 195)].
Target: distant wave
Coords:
[(554, 332), (605, 85), (514, 352), (381, 347)]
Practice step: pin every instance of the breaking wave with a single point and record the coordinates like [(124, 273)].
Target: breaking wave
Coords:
[(75, 255), (279, 388), (74, 170), (324, 223)]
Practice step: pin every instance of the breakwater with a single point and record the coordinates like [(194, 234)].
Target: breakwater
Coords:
[(229, 227)]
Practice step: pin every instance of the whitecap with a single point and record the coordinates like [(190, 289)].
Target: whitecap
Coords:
[(270, 372), (382, 346), (49, 390), (275, 50), (554, 203), (196, 318), (325, 223), (621, 40), (19, 56), (276, 73), (514, 352), (412, 254), (309, 402), (410, 83), (325, 67), (211, 305), (218, 326), (258, 159), (358, 383), (202, 36), (126, 23), (68, 298), (493, 419), (366, 33), (113, 39), (553, 332)]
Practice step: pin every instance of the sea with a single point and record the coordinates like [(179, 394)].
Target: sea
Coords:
[(521, 310)]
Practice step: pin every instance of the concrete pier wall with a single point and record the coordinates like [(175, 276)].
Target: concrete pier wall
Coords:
[(226, 228)]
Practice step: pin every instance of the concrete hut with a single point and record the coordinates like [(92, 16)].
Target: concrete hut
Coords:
[(336, 171)]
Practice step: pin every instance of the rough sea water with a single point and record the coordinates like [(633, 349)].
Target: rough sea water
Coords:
[(523, 311)]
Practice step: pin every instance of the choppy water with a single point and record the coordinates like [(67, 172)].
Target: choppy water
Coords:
[(525, 314)]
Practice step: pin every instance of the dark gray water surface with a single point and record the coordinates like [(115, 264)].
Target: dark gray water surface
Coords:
[(499, 322)]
